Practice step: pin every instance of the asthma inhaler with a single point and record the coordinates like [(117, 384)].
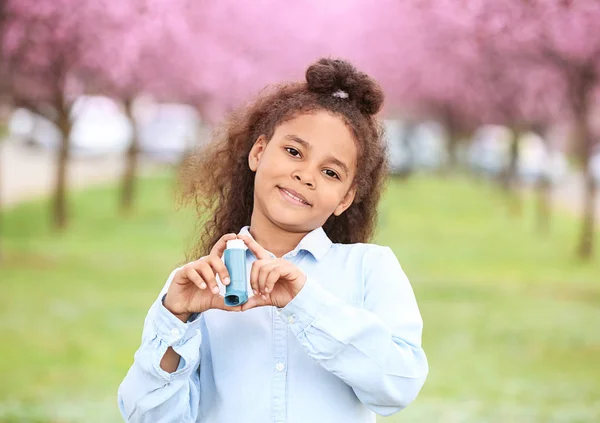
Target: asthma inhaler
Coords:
[(236, 293)]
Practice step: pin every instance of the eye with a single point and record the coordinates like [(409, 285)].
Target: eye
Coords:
[(293, 151), (331, 173)]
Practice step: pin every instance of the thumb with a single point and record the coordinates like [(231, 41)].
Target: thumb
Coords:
[(218, 302), (256, 301)]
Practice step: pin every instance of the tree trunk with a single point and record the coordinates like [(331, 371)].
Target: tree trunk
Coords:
[(584, 143), (3, 139), (452, 151), (509, 177), (585, 249), (452, 163), (131, 164), (406, 144), (544, 191), (60, 190), (544, 201), (1, 202)]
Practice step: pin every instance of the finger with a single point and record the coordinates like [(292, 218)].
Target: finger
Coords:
[(255, 247), (259, 277), (193, 276), (219, 268), (262, 276), (256, 301), (272, 278), (256, 266), (208, 275), (219, 248)]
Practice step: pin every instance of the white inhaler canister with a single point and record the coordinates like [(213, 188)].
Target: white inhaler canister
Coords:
[(236, 293)]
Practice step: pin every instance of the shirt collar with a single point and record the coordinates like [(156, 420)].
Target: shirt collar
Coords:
[(315, 242)]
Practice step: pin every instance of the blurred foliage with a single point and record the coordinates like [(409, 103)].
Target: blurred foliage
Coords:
[(510, 318)]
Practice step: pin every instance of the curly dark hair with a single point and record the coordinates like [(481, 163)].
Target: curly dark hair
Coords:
[(220, 184)]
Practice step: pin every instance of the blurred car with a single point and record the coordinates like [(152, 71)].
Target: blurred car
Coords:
[(400, 152), (99, 127), (414, 146), (429, 146), (168, 130), (537, 161), (488, 152), (489, 155)]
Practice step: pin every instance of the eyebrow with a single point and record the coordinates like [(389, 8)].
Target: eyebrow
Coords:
[(307, 145)]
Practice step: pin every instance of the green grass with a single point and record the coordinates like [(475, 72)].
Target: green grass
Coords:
[(511, 318)]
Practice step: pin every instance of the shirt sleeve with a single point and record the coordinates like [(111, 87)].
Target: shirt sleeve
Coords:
[(375, 349), (150, 394)]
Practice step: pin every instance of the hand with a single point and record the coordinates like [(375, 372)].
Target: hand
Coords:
[(194, 288), (274, 281)]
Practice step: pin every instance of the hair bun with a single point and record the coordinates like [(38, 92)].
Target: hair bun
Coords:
[(330, 75)]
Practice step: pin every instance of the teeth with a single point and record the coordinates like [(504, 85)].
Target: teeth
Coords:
[(294, 197)]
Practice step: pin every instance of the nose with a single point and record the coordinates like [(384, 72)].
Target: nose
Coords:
[(304, 177)]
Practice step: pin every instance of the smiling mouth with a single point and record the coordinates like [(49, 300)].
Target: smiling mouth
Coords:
[(292, 198)]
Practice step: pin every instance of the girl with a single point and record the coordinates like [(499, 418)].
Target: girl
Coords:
[(331, 331)]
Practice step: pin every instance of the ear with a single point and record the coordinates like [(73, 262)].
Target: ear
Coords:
[(346, 201), (256, 152)]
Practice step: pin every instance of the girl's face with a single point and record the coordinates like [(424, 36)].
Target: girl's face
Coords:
[(304, 174)]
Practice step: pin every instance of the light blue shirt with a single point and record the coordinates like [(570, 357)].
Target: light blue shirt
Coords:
[(346, 347)]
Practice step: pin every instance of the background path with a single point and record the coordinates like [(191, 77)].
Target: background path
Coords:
[(27, 173)]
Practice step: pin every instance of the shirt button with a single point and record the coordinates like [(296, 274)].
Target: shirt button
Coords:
[(174, 331), (278, 311), (280, 366), (291, 319)]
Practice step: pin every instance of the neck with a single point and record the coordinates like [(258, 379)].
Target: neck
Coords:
[(273, 238)]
